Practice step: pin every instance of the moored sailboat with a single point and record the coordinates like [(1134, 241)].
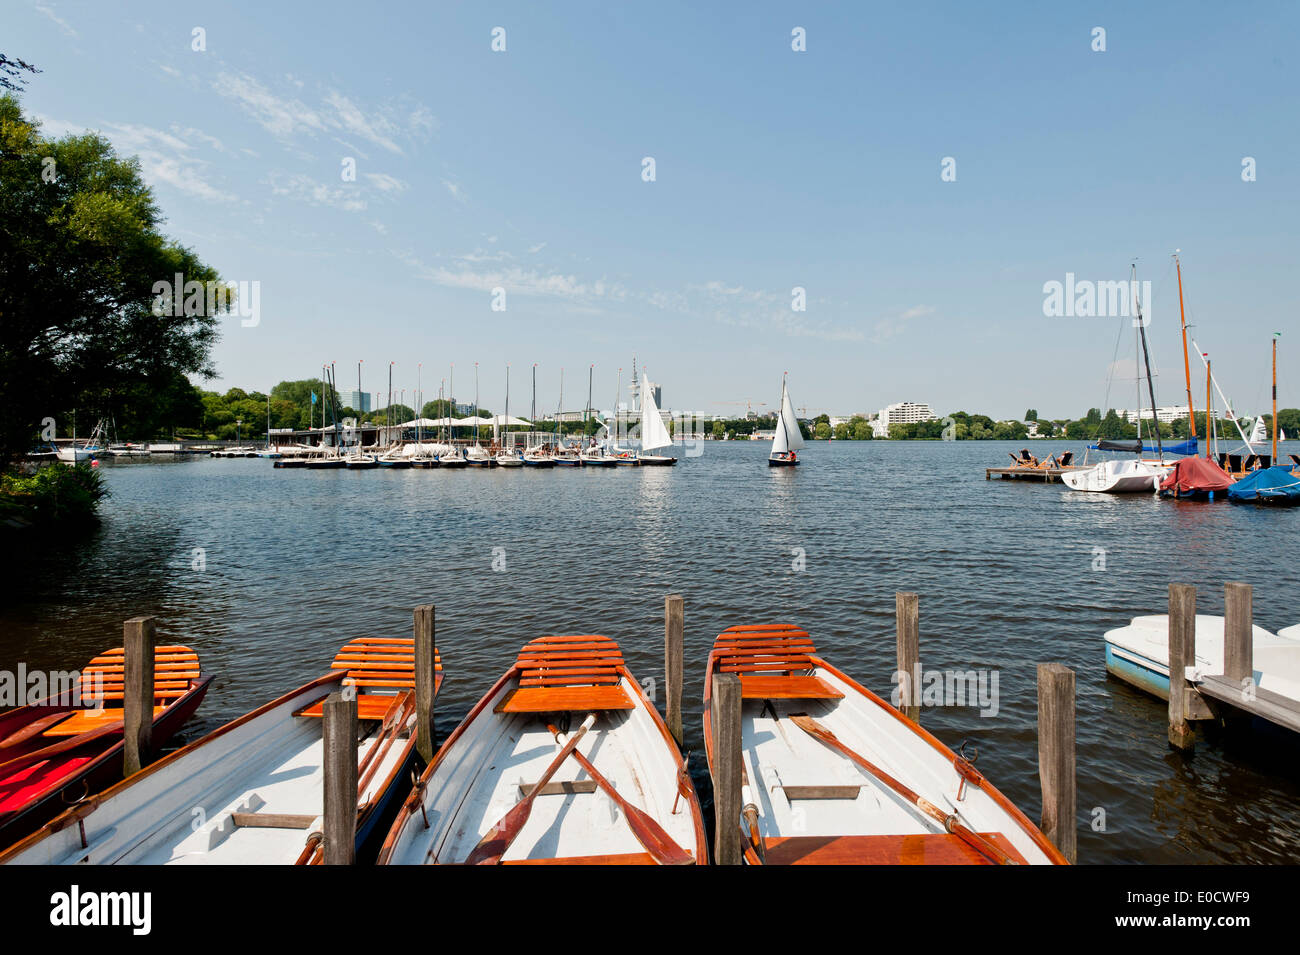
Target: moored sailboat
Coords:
[(653, 433)]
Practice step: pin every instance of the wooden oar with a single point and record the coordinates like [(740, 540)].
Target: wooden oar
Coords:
[(34, 728), (949, 821), (494, 845), (750, 813), (74, 742), (661, 846)]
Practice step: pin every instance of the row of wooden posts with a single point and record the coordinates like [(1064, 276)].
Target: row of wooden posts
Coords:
[(1056, 759)]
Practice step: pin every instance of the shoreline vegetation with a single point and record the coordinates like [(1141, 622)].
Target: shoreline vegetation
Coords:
[(52, 494)]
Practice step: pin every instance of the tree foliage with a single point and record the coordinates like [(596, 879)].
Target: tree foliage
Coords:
[(80, 253)]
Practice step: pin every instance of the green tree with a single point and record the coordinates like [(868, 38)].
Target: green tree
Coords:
[(862, 430), (1031, 415), (823, 430), (80, 253), (719, 430)]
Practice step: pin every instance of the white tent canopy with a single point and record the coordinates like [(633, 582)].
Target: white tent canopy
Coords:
[(417, 423), (507, 421)]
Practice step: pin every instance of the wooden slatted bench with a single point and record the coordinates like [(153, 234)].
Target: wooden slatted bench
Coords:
[(767, 658), (103, 681), (385, 666), (557, 674)]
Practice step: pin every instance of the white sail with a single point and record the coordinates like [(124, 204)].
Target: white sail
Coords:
[(1259, 433), (788, 436), (653, 433)]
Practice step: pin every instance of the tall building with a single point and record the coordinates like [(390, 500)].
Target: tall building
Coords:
[(902, 412), (359, 401), (1166, 415)]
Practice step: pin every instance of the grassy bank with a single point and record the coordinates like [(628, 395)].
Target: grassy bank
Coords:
[(55, 494)]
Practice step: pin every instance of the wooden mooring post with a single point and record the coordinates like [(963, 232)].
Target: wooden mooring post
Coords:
[(724, 719), (1238, 636), (907, 615), (426, 680), (1056, 769), (674, 625), (340, 731), (1185, 703), (139, 636)]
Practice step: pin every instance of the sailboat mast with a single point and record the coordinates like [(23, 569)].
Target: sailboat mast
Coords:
[(476, 421), (1208, 380), (532, 414), (1151, 388), (1275, 399), (587, 411), (1187, 367)]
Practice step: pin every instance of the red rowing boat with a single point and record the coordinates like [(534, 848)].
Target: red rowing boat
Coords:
[(58, 751)]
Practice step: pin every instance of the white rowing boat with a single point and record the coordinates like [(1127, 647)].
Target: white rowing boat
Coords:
[(1139, 654), (251, 792), (835, 775), (494, 769)]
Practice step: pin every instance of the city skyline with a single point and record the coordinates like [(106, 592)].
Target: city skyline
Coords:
[(900, 177)]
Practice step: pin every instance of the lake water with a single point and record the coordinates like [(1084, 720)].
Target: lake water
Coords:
[(295, 562)]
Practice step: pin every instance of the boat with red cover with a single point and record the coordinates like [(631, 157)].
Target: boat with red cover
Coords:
[(65, 748), (1196, 478)]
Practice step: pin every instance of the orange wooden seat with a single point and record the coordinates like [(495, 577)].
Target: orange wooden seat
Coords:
[(933, 848), (174, 671), (83, 721), (568, 673), (766, 658), (384, 665)]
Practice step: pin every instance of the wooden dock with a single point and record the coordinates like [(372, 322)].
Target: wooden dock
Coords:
[(1046, 475), (1197, 696)]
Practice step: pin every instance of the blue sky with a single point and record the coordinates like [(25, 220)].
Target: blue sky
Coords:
[(774, 169)]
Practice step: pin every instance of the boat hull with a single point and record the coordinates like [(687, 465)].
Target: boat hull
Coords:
[(657, 460)]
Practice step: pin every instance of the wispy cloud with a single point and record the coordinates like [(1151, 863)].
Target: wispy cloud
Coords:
[(306, 189), (165, 157), (385, 183), (516, 280), (285, 115), (63, 24), (894, 325), (456, 191), (280, 116)]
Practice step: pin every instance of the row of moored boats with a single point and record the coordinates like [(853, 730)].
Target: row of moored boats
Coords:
[(564, 760)]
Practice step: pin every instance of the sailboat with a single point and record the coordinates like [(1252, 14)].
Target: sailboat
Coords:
[(623, 457), (789, 438), (72, 453), (653, 433), (1123, 477)]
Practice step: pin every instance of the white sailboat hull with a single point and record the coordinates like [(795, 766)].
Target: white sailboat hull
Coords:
[(1117, 477)]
